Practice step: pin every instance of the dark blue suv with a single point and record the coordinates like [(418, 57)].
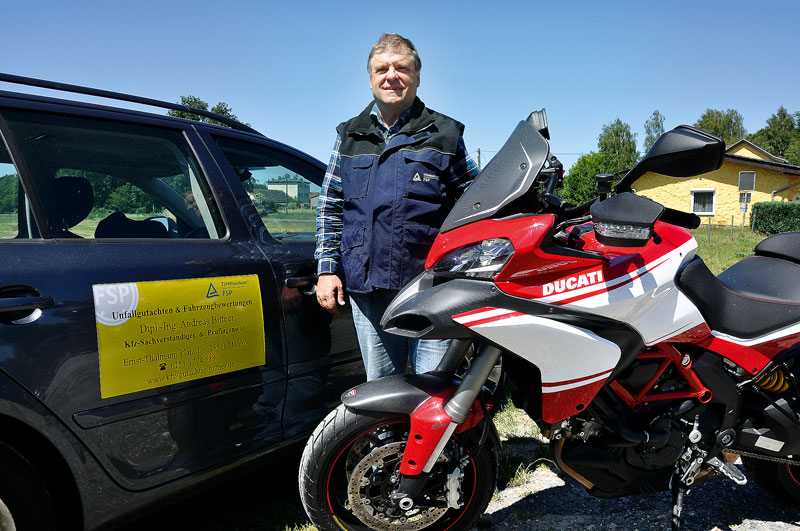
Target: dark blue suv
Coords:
[(158, 325)]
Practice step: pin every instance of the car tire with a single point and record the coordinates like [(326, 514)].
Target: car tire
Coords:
[(25, 503)]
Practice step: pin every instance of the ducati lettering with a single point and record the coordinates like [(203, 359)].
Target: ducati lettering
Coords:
[(570, 283)]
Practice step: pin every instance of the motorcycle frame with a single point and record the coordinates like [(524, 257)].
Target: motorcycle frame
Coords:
[(668, 356)]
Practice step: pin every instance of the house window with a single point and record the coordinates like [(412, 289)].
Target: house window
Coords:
[(703, 202), (747, 180)]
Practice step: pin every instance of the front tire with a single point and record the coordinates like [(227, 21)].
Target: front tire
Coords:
[(369, 448)]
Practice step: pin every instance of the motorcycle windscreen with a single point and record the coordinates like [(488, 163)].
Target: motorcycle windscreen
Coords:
[(507, 177)]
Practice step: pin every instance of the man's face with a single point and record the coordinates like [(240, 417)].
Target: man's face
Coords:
[(393, 79)]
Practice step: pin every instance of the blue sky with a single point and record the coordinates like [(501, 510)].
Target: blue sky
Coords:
[(294, 70)]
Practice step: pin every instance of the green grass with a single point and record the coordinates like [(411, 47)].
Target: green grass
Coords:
[(8, 226), (724, 250), (296, 221), (512, 422)]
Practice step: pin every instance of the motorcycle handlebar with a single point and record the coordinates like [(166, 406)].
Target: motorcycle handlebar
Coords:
[(578, 211), (686, 220)]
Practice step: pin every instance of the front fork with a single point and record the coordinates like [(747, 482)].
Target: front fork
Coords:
[(435, 420)]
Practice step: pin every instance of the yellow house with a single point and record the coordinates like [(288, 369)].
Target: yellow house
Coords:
[(748, 175)]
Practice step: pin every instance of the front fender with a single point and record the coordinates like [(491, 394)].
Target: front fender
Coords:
[(422, 398), (401, 393)]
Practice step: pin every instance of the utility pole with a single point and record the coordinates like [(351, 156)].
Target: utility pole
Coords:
[(479, 159)]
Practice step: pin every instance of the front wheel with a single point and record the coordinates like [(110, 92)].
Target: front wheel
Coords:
[(350, 467)]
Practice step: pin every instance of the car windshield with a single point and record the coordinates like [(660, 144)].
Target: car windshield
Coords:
[(507, 177)]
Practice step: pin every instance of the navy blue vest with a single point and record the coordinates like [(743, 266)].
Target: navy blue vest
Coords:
[(396, 195)]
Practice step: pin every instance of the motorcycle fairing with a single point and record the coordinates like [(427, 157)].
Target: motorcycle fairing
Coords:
[(574, 362), (636, 287), (752, 354)]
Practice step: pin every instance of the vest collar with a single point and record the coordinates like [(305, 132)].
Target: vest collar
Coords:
[(419, 119)]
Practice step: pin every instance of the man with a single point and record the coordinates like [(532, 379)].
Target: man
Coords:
[(396, 170)]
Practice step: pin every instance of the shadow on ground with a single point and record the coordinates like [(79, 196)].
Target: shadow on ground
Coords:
[(264, 499)]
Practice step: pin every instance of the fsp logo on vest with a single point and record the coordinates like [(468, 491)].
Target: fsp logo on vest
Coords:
[(426, 177)]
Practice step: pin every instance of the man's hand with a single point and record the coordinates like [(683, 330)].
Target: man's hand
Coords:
[(330, 293)]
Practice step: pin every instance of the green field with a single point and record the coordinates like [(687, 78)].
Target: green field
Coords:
[(724, 250), (8, 226), (294, 222)]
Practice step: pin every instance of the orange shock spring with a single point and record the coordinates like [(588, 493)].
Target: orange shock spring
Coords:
[(775, 382)]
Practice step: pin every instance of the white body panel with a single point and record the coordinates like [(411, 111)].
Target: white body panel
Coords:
[(646, 299), (566, 355)]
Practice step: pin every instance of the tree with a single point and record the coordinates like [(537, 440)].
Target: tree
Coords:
[(221, 108), (778, 133), (728, 125), (579, 184), (618, 145), (8, 193), (792, 153), (654, 128), (616, 152)]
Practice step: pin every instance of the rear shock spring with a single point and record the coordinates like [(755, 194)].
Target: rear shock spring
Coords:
[(775, 382)]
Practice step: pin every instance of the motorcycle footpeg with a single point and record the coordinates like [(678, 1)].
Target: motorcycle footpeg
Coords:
[(729, 470)]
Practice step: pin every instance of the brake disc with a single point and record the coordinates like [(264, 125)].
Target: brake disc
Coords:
[(370, 488)]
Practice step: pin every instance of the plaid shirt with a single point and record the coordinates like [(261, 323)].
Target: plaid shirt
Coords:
[(329, 208)]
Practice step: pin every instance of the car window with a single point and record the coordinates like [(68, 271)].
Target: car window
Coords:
[(16, 220), (283, 188), (103, 179), (9, 196)]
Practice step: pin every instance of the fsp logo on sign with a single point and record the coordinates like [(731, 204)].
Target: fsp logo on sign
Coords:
[(114, 304)]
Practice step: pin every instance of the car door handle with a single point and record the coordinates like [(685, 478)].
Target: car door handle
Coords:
[(16, 304), (300, 282)]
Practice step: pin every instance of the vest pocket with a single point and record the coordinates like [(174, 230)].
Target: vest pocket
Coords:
[(355, 172), (353, 256), (425, 174)]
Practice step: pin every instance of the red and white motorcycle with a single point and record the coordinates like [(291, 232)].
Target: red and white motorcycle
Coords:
[(644, 370)]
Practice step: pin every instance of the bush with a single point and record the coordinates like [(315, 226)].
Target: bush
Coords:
[(771, 218)]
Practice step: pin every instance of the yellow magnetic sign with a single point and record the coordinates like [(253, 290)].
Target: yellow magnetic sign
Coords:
[(155, 334)]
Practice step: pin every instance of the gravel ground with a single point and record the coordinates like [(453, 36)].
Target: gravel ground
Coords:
[(552, 500)]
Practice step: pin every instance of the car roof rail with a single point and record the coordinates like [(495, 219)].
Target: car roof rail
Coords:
[(78, 89)]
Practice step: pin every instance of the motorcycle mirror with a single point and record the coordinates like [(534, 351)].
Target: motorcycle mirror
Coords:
[(682, 152), (604, 181), (538, 120)]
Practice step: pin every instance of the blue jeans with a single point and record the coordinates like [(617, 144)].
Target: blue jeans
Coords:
[(385, 354)]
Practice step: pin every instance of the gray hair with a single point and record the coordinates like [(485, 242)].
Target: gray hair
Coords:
[(396, 43)]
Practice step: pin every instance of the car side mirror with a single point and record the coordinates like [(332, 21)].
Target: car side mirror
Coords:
[(683, 152)]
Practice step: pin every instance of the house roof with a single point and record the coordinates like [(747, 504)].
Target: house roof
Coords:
[(743, 142), (783, 167)]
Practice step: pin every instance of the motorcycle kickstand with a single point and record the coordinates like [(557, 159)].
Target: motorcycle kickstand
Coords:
[(679, 490)]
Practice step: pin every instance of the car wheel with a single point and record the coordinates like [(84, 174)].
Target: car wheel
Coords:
[(24, 501)]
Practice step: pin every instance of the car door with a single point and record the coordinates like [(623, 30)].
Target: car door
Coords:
[(282, 185), (134, 302)]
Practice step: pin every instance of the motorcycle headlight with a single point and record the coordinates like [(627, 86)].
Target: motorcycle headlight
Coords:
[(478, 260)]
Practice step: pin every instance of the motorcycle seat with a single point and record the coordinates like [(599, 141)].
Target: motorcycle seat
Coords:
[(784, 245), (755, 296)]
